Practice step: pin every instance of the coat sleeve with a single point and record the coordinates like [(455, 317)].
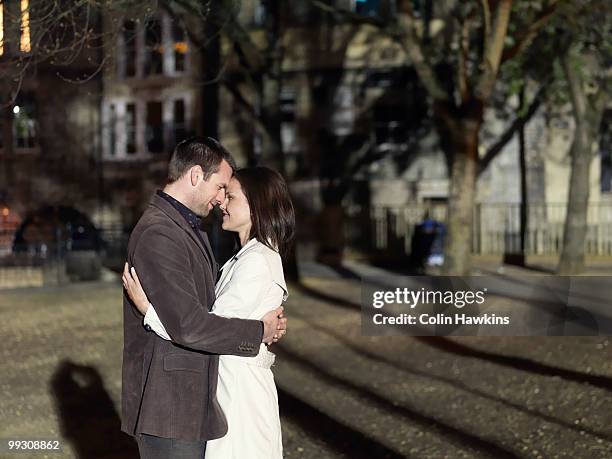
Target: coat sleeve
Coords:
[(163, 265)]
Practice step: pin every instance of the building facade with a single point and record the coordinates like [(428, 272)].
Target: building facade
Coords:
[(103, 145)]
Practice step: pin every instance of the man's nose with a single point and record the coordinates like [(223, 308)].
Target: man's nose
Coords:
[(220, 197)]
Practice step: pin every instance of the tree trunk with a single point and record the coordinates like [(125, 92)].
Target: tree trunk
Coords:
[(272, 149), (6, 157), (211, 65), (292, 272), (513, 257), (587, 117), (575, 228), (464, 170), (330, 229), (524, 217)]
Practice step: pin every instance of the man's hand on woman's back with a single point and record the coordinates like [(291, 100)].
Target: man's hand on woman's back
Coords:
[(275, 326)]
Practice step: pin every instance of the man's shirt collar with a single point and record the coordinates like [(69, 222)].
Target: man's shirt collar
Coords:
[(193, 220)]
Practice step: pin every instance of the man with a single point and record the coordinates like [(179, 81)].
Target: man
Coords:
[(169, 387)]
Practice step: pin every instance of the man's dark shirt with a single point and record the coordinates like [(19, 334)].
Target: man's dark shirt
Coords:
[(194, 220)]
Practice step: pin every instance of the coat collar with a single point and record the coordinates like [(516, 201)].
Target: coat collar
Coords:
[(167, 208), (277, 271)]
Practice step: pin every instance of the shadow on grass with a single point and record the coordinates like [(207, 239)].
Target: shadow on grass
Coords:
[(453, 434), (88, 418), (346, 441), (452, 346), (520, 363), (402, 365), (325, 297)]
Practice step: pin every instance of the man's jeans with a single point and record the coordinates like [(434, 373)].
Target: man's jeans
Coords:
[(152, 447)]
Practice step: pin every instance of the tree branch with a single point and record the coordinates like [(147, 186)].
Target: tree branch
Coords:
[(412, 45), (517, 124), (486, 20), (530, 32), (462, 76), (494, 45), (234, 90), (576, 88), (405, 35)]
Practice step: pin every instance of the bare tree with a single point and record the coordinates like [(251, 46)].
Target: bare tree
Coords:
[(586, 67), (459, 66)]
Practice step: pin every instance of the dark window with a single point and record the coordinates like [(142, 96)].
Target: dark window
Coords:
[(154, 48), (112, 129), (287, 103), (180, 127), (180, 47), (422, 8), (155, 128), (259, 14), (367, 7), (130, 128), (399, 113), (302, 13), (288, 124), (129, 48), (605, 148), (24, 121)]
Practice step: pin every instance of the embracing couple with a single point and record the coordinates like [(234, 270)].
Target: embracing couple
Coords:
[(196, 364)]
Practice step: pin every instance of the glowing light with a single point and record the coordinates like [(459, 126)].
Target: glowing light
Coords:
[(5, 212), (1, 29), (24, 44), (181, 47), (16, 109)]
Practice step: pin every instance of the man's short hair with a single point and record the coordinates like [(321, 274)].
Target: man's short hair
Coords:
[(205, 152)]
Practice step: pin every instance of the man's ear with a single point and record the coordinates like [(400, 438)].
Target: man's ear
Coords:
[(196, 174)]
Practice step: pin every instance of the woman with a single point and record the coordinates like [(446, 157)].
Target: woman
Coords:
[(259, 209)]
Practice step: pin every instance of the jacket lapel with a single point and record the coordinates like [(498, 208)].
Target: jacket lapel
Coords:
[(174, 215), (209, 252), (226, 275)]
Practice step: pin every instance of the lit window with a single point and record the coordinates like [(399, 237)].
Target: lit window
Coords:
[(1, 29), (180, 47), (24, 43)]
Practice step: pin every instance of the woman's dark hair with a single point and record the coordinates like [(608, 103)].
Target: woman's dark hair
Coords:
[(272, 211), (205, 152)]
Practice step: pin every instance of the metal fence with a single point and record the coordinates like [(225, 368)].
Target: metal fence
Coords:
[(54, 262), (496, 228)]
